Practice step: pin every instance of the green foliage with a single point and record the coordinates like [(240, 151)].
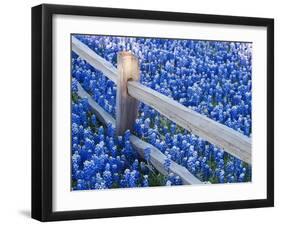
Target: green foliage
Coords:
[(74, 97), (156, 179)]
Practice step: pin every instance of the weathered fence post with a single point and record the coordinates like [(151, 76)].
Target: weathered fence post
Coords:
[(126, 106)]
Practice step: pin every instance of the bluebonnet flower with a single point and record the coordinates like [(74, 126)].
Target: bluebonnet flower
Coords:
[(147, 152), (167, 163), (168, 183), (145, 182), (94, 119)]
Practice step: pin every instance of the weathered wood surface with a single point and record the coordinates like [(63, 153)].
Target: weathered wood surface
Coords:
[(157, 158), (126, 106), (216, 133), (94, 59)]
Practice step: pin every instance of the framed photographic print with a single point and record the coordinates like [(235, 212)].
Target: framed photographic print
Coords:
[(146, 112)]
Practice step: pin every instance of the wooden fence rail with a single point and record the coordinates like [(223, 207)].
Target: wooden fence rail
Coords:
[(216, 133), (157, 158), (94, 59)]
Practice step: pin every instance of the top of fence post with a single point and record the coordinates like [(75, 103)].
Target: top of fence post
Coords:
[(126, 106)]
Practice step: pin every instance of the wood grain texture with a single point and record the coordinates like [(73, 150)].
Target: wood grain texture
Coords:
[(216, 133), (94, 59), (126, 106), (157, 158)]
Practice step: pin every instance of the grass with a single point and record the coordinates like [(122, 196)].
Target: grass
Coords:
[(156, 179)]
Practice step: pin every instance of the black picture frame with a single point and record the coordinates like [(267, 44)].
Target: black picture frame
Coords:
[(42, 111)]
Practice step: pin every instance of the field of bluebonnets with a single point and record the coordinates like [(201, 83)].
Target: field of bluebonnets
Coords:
[(210, 77)]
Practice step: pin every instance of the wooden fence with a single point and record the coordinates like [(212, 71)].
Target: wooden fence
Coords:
[(157, 158), (130, 91)]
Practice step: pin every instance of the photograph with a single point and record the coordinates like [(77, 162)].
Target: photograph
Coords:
[(156, 111)]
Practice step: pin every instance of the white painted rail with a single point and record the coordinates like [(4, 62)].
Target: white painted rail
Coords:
[(157, 158), (216, 133)]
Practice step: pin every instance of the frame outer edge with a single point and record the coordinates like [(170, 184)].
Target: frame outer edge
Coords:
[(270, 112), (47, 113), (36, 75), (41, 113)]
